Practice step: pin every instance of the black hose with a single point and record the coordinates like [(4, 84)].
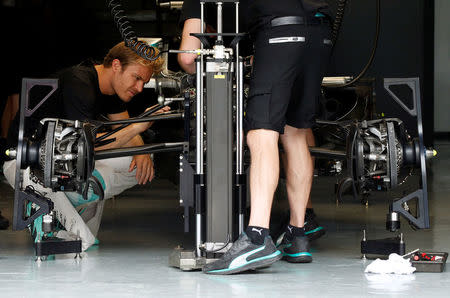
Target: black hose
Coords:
[(128, 35), (336, 28)]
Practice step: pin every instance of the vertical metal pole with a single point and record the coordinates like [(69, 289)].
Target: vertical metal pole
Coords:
[(240, 126), (219, 20), (239, 147), (199, 141), (237, 31), (239, 102), (199, 159), (199, 106), (239, 129), (202, 30)]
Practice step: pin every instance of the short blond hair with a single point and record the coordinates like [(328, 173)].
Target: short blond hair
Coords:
[(127, 56)]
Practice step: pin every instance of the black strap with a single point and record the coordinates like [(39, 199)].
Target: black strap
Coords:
[(297, 20), (290, 20)]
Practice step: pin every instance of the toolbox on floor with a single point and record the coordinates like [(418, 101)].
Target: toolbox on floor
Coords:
[(429, 261)]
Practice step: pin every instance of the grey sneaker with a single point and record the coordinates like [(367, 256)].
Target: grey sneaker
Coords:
[(295, 250), (244, 255)]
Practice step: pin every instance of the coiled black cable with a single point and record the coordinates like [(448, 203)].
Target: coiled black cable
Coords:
[(338, 20), (128, 34)]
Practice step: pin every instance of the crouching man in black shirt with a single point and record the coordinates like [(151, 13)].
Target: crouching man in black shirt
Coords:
[(87, 91)]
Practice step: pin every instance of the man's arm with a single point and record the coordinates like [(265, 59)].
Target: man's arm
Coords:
[(188, 42), (126, 137), (129, 137)]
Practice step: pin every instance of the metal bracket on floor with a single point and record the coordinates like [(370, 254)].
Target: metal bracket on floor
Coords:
[(53, 246), (384, 246), (186, 260)]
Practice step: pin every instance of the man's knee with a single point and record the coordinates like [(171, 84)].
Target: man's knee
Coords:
[(259, 139), (9, 170), (298, 132)]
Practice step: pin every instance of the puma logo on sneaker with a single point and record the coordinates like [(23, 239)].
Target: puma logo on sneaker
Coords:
[(257, 230)]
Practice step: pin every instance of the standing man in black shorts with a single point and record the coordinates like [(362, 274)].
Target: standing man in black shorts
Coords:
[(190, 21), (292, 45)]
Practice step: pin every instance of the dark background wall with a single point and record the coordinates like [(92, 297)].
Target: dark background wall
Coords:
[(44, 35), (405, 49), (41, 36)]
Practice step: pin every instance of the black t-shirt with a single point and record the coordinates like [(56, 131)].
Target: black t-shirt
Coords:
[(253, 13), (78, 97), (262, 11)]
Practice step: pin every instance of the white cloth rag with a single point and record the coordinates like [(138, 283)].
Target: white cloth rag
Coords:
[(395, 264)]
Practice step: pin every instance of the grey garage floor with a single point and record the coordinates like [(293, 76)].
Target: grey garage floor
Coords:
[(143, 225)]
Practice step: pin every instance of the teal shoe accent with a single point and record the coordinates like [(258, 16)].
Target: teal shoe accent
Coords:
[(248, 262), (100, 178), (77, 199), (28, 211), (319, 15), (37, 229), (299, 254), (36, 226), (313, 231), (283, 246), (94, 246)]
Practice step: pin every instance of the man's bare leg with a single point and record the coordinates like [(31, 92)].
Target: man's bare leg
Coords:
[(299, 172), (312, 228), (264, 172), (255, 249), (310, 140)]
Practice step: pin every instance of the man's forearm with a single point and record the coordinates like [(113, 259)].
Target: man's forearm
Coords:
[(136, 141), (188, 42), (126, 137)]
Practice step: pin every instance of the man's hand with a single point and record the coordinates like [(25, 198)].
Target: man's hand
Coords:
[(144, 168), (160, 111)]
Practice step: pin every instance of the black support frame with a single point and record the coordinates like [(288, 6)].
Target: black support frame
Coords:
[(422, 220)]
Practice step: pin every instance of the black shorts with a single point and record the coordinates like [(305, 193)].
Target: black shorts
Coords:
[(289, 65)]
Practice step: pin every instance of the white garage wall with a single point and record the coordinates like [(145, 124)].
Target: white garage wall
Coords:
[(442, 66)]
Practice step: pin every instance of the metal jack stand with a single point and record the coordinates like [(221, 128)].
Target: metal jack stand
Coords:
[(399, 206), (47, 245), (214, 185)]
